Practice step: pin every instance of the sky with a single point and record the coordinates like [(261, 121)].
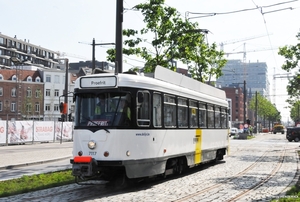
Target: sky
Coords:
[(259, 27)]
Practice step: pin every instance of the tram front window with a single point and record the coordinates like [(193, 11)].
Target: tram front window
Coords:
[(103, 110)]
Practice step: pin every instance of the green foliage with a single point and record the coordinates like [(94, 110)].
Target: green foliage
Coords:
[(265, 108), (35, 182), (292, 57), (173, 38), (295, 110)]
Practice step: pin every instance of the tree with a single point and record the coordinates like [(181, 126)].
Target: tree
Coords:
[(292, 57), (174, 38), (265, 108), (295, 111)]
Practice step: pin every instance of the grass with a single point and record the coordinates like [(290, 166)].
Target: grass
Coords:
[(27, 184)]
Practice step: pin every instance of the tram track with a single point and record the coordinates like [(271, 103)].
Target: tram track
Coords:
[(254, 165)]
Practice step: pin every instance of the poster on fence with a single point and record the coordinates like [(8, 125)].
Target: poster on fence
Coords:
[(2, 132), (66, 132), (19, 131), (43, 131)]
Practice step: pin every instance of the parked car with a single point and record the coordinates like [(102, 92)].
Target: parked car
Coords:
[(293, 133), (233, 131)]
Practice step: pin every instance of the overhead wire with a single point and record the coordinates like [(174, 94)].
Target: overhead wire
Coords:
[(241, 10)]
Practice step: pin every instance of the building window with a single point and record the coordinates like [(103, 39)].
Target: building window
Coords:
[(1, 91), (37, 79), (37, 107), (29, 93), (38, 93), (48, 78), (56, 93), (14, 78), (1, 106), (56, 107), (29, 79), (13, 92), (47, 92), (28, 107), (1, 77), (56, 79), (47, 107), (13, 106)]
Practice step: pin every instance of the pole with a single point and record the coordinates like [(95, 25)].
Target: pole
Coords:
[(119, 39), (93, 56), (256, 124), (245, 98), (66, 87)]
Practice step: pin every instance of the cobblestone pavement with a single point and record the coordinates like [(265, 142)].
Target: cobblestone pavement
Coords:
[(267, 158)]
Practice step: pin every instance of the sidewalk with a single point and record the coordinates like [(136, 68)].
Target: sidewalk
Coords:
[(22, 155)]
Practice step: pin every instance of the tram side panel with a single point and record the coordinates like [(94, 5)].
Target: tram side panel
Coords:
[(145, 153)]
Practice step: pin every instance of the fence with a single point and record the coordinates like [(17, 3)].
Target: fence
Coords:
[(16, 132)]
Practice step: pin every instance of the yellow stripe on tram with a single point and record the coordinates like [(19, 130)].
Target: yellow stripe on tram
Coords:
[(198, 149)]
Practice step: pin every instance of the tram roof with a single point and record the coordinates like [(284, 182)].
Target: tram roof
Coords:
[(164, 80)]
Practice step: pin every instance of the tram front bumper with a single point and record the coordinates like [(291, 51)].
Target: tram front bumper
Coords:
[(84, 166)]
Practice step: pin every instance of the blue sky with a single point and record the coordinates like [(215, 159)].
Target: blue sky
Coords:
[(69, 26)]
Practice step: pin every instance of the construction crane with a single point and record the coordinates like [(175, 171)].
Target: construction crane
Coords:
[(239, 40), (64, 54)]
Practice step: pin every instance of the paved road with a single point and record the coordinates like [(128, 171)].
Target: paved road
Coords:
[(29, 159), (256, 170)]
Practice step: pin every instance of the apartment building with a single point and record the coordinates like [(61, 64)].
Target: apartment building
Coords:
[(25, 52)]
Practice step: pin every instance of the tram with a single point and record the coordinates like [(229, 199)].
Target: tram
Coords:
[(148, 125)]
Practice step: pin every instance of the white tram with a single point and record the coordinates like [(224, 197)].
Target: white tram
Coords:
[(174, 122)]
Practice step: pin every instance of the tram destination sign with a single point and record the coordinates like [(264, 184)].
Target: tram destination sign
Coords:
[(98, 82)]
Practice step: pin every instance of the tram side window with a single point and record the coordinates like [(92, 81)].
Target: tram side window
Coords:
[(157, 107), (182, 113), (202, 115), (169, 111), (193, 114), (224, 118), (210, 116), (143, 108), (217, 117)]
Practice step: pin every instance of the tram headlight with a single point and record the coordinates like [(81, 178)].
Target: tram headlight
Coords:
[(92, 144), (128, 153)]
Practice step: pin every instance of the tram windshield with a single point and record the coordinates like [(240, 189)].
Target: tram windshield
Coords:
[(103, 109)]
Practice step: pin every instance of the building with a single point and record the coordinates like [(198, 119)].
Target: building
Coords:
[(34, 94), (25, 52), (105, 66), (236, 96), (25, 70), (255, 74), (21, 95)]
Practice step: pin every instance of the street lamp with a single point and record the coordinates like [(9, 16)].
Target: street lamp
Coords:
[(16, 62)]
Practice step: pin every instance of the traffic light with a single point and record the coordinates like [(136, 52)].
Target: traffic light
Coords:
[(63, 107)]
